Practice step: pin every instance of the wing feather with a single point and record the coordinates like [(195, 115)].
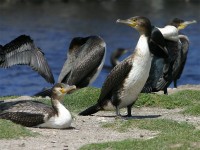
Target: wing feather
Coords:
[(22, 51), (27, 113), (86, 66), (115, 78)]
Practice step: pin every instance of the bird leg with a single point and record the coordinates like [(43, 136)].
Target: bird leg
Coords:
[(117, 111), (129, 110), (175, 83), (165, 91)]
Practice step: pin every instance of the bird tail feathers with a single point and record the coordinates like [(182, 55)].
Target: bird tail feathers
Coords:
[(44, 92), (91, 110)]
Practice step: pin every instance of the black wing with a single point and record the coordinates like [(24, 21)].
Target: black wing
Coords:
[(184, 52), (22, 51), (26, 113), (45, 92), (73, 53), (157, 44), (169, 66), (156, 72), (115, 79), (86, 67)]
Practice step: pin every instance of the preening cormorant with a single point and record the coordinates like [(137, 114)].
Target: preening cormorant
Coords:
[(85, 59), (165, 70)]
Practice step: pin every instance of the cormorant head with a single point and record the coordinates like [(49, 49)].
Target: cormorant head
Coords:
[(60, 89), (181, 24), (141, 24)]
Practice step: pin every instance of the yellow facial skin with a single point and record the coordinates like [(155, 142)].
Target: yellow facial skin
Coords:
[(185, 24), (130, 22), (67, 89)]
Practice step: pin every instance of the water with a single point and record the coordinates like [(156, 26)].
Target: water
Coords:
[(52, 25)]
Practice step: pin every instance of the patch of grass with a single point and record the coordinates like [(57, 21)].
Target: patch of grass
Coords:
[(177, 100), (81, 99), (173, 135), (188, 99), (10, 130), (7, 97), (193, 110)]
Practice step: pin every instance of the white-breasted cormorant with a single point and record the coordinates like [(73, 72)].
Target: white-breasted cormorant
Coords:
[(126, 80), (36, 114)]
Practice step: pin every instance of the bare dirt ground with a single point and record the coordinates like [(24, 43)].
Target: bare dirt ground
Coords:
[(88, 129)]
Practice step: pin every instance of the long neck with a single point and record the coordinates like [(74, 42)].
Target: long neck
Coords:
[(55, 103), (142, 45), (60, 110)]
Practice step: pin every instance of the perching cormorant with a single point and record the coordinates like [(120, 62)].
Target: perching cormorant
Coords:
[(126, 80), (22, 51), (36, 114), (85, 59)]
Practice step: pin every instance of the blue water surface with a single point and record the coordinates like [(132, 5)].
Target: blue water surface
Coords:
[(52, 25)]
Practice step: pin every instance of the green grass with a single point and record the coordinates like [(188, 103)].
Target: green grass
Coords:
[(177, 100), (192, 110), (173, 135), (10, 130), (7, 97), (81, 99), (188, 99)]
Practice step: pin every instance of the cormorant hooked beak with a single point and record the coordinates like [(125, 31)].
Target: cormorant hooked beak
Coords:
[(184, 24), (129, 22), (67, 88)]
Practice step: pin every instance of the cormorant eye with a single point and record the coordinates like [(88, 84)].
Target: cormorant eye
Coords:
[(134, 20)]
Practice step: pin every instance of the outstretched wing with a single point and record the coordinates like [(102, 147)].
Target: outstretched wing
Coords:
[(22, 51)]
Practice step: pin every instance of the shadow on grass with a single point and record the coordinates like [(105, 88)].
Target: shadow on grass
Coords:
[(132, 117), (142, 117)]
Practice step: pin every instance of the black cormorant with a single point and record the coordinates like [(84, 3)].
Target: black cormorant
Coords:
[(85, 59), (165, 70)]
